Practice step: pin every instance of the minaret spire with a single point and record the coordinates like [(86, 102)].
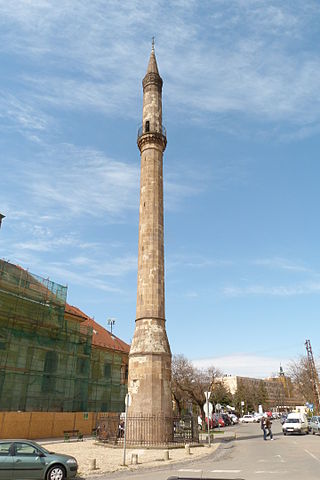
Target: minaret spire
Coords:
[(152, 66), (149, 382)]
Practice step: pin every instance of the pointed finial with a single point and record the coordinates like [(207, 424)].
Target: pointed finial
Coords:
[(152, 44)]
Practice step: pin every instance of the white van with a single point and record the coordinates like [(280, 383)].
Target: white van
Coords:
[(295, 423)]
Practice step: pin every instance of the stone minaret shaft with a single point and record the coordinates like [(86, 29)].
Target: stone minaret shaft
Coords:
[(150, 356)]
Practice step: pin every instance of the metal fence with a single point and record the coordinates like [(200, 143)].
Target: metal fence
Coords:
[(148, 430)]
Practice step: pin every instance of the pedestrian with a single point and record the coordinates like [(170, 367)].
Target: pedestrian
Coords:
[(268, 424), (121, 429), (263, 427)]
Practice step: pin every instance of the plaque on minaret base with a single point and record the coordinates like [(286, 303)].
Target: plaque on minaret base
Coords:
[(150, 413)]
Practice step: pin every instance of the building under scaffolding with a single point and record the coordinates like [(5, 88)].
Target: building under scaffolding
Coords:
[(51, 358)]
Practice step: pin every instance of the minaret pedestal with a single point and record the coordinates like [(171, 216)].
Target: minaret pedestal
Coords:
[(150, 413)]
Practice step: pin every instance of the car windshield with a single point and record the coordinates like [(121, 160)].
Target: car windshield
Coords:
[(293, 420)]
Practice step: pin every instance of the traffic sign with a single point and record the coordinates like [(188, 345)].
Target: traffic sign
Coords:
[(127, 400), (205, 409)]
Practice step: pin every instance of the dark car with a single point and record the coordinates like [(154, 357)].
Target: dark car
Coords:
[(27, 460), (227, 420)]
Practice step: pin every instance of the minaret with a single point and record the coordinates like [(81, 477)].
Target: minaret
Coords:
[(149, 380)]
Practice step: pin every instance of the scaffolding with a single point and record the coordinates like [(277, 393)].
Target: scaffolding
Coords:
[(47, 362), (40, 352)]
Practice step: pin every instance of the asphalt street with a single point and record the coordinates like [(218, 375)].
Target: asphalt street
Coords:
[(248, 457)]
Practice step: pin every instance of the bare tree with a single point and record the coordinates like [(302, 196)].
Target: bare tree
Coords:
[(299, 373), (189, 383)]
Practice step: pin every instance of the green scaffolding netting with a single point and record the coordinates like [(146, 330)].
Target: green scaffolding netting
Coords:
[(47, 362)]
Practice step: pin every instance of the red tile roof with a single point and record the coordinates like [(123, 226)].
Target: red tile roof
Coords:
[(75, 311), (100, 336)]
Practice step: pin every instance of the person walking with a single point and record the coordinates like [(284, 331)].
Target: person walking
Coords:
[(268, 424), (263, 428)]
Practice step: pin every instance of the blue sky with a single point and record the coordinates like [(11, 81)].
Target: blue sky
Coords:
[(242, 112)]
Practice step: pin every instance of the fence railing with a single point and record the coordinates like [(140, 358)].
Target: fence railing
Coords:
[(148, 430), (144, 130)]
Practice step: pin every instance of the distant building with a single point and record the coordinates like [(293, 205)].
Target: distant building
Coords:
[(53, 357), (280, 391)]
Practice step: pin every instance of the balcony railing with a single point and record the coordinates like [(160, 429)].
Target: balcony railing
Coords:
[(143, 130)]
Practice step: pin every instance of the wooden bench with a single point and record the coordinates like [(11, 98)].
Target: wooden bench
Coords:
[(72, 434)]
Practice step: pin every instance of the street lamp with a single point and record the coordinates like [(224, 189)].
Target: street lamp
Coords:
[(111, 322), (1, 218)]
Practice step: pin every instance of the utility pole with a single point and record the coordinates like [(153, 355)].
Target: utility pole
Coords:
[(313, 375)]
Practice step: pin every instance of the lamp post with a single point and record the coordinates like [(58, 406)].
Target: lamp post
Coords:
[(111, 322), (1, 218)]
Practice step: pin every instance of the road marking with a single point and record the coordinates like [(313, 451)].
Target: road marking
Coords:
[(189, 470), (271, 471), (281, 459), (313, 456), (225, 471)]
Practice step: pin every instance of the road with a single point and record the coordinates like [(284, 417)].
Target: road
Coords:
[(249, 457)]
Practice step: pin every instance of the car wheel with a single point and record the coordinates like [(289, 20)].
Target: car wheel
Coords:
[(56, 473)]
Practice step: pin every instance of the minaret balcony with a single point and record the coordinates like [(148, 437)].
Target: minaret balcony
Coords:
[(147, 134)]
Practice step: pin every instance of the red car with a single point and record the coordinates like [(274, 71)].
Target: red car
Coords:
[(221, 422), (213, 422)]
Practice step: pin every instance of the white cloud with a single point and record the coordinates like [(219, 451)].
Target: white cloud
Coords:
[(262, 67), (81, 181), (307, 288), (196, 261), (281, 264), (243, 364)]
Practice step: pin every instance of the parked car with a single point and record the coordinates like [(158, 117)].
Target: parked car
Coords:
[(24, 459), (221, 422), (213, 422), (258, 417), (247, 419), (314, 425), (295, 423), (234, 418), (227, 419)]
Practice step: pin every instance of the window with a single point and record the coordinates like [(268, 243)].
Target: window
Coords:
[(82, 366), (107, 370), (5, 449), (48, 384), (147, 126), (25, 449), (124, 374), (51, 362)]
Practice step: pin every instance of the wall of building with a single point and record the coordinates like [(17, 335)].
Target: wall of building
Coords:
[(280, 390), (37, 425)]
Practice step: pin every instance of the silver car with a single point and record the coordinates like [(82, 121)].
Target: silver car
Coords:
[(314, 425)]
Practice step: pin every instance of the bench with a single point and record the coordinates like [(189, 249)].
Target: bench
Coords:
[(72, 433)]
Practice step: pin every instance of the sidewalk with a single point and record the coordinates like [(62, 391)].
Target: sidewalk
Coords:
[(110, 459)]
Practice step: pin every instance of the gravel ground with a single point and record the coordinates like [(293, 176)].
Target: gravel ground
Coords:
[(110, 459)]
